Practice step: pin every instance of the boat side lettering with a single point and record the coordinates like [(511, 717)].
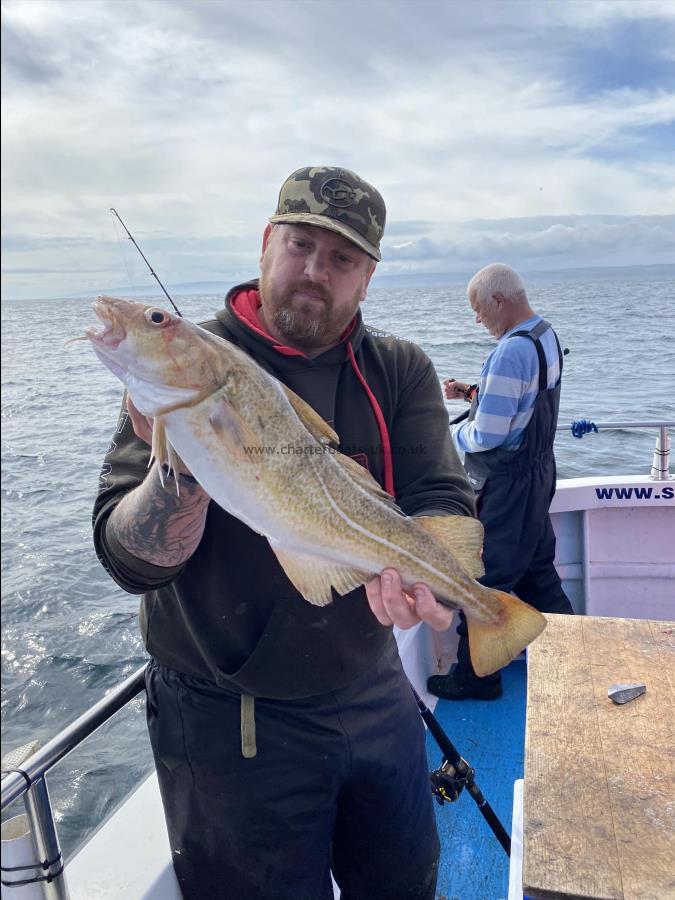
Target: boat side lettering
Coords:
[(634, 493)]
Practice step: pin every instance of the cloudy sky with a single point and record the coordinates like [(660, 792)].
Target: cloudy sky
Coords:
[(535, 133)]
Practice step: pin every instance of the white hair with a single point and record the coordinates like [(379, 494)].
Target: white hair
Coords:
[(497, 278)]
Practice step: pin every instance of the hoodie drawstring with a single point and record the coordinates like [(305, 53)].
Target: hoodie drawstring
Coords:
[(381, 424)]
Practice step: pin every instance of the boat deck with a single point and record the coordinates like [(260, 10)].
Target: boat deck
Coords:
[(491, 737)]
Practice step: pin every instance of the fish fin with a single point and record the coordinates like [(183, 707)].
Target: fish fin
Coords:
[(493, 645), (162, 451), (321, 430), (235, 432), (364, 479), (461, 535), (315, 577), (317, 427)]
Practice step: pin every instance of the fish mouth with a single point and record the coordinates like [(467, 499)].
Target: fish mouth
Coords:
[(112, 332)]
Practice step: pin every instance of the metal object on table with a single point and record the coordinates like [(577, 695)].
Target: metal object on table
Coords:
[(623, 693)]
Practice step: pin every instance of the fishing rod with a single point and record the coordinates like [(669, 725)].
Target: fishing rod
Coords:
[(152, 271), (455, 773)]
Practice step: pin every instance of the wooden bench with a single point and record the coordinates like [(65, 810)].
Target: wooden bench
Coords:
[(599, 796)]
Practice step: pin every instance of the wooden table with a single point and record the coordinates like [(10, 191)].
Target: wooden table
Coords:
[(599, 797)]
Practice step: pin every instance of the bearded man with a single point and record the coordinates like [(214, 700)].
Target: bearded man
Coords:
[(286, 738)]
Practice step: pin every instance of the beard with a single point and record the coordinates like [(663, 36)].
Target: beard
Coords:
[(300, 324), (303, 319), (305, 323)]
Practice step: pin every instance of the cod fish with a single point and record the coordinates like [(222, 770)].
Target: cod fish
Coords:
[(330, 524)]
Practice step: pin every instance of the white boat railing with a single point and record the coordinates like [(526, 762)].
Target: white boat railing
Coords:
[(24, 774), (660, 470)]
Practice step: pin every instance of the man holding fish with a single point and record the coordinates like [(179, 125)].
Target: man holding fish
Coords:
[(286, 737)]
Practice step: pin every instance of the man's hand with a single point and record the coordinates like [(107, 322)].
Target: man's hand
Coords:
[(142, 424), (455, 390), (392, 606)]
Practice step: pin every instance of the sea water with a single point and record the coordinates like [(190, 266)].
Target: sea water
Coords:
[(69, 634)]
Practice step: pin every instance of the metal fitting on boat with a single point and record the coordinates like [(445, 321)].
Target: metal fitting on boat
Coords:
[(661, 463)]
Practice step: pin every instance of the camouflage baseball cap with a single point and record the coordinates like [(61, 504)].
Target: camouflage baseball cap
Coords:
[(335, 199)]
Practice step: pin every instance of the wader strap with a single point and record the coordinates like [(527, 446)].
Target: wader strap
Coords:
[(248, 746), (534, 336)]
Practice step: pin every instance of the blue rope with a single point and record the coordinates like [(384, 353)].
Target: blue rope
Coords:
[(580, 427)]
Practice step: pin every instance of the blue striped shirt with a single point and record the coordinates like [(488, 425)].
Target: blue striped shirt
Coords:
[(508, 387)]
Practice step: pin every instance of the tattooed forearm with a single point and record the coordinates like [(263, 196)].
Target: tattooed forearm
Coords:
[(156, 524)]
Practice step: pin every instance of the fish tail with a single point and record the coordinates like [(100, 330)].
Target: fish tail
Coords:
[(494, 644)]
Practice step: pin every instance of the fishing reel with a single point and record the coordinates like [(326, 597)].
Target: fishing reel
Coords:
[(448, 781)]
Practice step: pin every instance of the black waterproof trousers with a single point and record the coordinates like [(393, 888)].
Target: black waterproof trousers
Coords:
[(340, 781), (518, 554)]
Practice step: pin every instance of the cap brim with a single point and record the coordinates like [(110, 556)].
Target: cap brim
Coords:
[(304, 218)]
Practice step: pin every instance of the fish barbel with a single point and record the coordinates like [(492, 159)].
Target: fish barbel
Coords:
[(269, 459)]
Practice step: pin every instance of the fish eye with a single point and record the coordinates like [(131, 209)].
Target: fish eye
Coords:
[(157, 317)]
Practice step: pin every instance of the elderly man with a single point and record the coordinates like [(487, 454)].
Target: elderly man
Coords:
[(286, 738), (507, 441)]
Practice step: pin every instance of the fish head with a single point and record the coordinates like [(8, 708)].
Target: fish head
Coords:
[(164, 360)]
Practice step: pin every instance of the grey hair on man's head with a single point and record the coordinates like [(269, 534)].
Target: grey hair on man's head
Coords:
[(497, 279)]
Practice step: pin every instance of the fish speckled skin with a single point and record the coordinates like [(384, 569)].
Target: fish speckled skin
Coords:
[(264, 455)]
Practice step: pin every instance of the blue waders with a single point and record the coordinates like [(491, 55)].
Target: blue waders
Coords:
[(514, 490)]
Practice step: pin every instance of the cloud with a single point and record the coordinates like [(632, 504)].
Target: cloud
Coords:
[(570, 242), (186, 116), (23, 58)]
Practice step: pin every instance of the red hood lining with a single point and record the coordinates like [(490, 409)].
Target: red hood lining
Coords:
[(245, 306)]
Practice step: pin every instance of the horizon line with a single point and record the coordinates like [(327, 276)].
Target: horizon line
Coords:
[(452, 277)]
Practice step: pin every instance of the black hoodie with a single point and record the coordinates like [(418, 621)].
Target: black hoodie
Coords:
[(229, 614)]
